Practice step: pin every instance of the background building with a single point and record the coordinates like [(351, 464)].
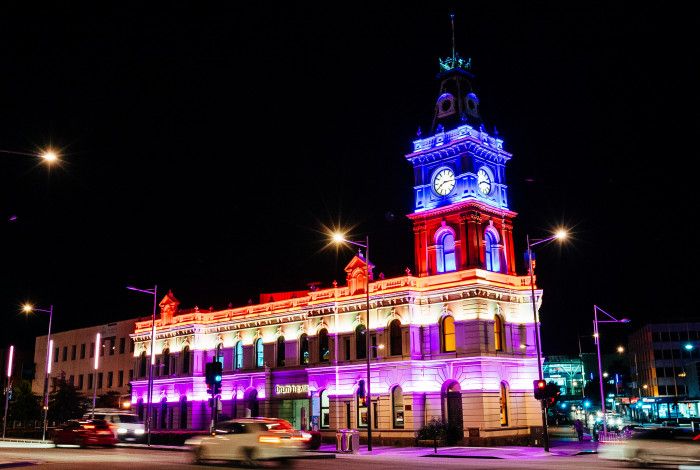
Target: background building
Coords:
[(567, 372), (73, 358), (666, 356)]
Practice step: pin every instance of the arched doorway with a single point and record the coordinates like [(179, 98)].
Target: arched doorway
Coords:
[(452, 404), (251, 403)]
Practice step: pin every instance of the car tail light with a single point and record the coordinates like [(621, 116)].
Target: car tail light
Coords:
[(89, 426), (269, 440)]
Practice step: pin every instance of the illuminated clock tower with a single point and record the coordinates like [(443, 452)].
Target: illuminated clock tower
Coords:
[(461, 218)]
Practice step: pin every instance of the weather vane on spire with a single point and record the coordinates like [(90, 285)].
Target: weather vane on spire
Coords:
[(455, 61)]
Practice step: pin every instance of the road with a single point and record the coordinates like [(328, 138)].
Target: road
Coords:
[(133, 458)]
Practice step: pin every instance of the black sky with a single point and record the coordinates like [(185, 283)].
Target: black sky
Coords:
[(206, 144)]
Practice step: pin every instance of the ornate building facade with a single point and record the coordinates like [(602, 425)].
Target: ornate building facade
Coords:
[(455, 340)]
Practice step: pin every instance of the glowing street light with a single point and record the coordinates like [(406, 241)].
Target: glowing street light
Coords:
[(339, 238), (9, 387), (28, 308), (98, 350), (620, 349), (48, 155), (560, 235)]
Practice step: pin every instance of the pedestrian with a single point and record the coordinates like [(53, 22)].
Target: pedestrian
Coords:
[(578, 427)]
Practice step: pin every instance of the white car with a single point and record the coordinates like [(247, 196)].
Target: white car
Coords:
[(250, 439), (126, 426), (655, 446)]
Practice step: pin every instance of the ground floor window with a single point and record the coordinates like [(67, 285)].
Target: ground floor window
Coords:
[(361, 401), (325, 410), (397, 407), (504, 405), (183, 413)]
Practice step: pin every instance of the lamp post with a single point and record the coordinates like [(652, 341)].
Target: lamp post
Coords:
[(9, 387), (596, 336), (339, 238), (98, 350), (28, 308), (560, 235), (153, 292)]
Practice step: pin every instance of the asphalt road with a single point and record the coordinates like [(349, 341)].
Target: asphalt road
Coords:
[(132, 458)]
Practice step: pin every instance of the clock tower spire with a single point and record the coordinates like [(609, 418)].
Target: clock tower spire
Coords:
[(461, 219)]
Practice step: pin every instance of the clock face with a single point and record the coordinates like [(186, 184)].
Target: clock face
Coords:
[(444, 181), (483, 181)]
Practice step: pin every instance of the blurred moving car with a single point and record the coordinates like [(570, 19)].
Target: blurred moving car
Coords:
[(250, 439), (85, 432), (126, 425), (655, 446)]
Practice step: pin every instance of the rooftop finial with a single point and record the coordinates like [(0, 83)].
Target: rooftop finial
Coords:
[(455, 61)]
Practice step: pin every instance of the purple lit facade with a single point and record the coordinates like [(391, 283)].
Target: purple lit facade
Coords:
[(458, 337)]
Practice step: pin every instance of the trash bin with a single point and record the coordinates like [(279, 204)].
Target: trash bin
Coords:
[(353, 441), (341, 441)]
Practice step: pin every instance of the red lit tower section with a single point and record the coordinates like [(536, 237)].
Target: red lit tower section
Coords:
[(461, 218)]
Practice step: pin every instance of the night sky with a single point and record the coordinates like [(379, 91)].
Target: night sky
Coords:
[(206, 145)]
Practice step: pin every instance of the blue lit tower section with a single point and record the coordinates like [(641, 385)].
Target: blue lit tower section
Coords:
[(461, 218)]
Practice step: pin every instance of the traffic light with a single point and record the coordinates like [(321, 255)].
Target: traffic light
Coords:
[(540, 389), (586, 404), (213, 372)]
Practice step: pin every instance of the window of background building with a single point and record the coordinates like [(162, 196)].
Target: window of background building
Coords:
[(90, 378), (71, 379), (73, 352), (82, 351), (110, 379), (112, 345), (55, 356), (122, 345), (80, 382), (65, 353), (131, 345), (99, 380), (131, 375), (120, 378), (92, 349)]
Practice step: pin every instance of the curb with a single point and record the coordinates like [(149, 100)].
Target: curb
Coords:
[(19, 463), (154, 447)]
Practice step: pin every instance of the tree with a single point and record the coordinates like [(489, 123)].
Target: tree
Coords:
[(108, 400), (25, 404), (66, 402)]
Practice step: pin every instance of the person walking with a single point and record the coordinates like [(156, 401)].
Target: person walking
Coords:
[(578, 427)]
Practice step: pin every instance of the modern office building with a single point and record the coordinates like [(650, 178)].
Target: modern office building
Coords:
[(72, 358), (567, 372), (454, 340), (666, 356)]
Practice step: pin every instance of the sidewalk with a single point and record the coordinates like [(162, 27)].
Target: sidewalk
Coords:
[(557, 448), (24, 443)]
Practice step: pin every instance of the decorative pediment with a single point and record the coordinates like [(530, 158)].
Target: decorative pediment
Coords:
[(168, 307), (356, 274)]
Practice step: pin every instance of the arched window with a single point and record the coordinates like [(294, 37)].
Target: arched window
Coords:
[(186, 360), (325, 410), (446, 259), (238, 352), (493, 262), (280, 351), (498, 332), (142, 364), (304, 349), (448, 334), (259, 353), (395, 345), (360, 342), (324, 352), (219, 354), (504, 404), (166, 362), (164, 413), (397, 407)]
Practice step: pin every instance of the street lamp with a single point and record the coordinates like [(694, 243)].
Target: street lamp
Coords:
[(9, 387), (559, 235), (27, 309), (596, 336), (153, 292), (48, 155), (98, 350), (339, 238)]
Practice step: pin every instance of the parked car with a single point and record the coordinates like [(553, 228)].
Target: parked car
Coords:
[(250, 439), (664, 445), (127, 426), (85, 432)]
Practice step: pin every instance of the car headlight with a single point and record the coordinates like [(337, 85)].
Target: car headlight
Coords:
[(139, 431), (305, 435), (121, 430)]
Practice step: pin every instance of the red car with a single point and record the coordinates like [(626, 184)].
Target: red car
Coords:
[(85, 432)]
